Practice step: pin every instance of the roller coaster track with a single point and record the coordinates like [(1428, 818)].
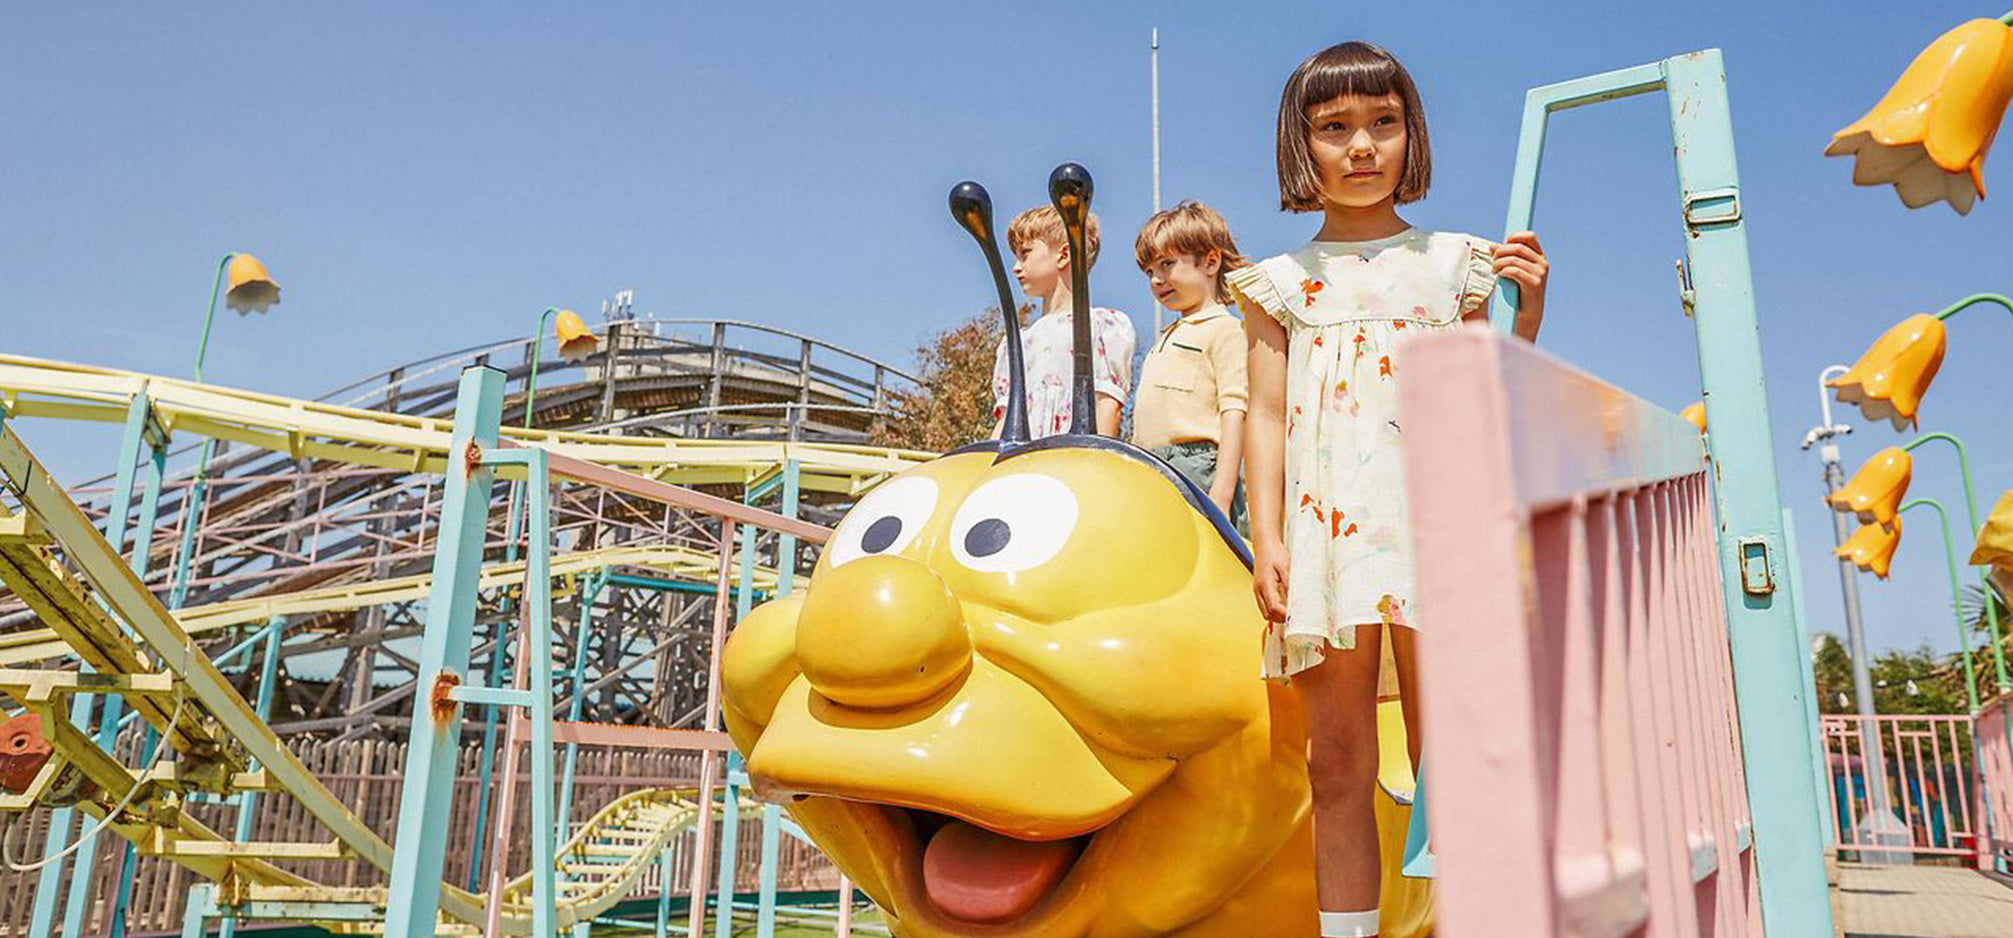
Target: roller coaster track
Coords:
[(78, 585)]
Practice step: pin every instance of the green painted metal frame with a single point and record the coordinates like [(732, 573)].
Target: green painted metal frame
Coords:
[(1763, 630), (1971, 512)]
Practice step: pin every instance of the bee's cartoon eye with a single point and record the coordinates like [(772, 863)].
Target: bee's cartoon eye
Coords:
[(885, 521), (1013, 523)]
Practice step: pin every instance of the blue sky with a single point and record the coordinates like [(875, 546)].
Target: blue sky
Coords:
[(427, 178)]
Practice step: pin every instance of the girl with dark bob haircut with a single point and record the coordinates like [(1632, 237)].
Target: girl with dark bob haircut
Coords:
[(1324, 332)]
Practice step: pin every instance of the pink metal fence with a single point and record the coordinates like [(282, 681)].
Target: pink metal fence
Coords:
[(1583, 754), (1995, 757), (1929, 777)]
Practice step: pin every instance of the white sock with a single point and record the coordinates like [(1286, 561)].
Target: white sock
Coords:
[(1349, 924)]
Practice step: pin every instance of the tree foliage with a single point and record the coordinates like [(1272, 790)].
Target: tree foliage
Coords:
[(952, 404), (1918, 681)]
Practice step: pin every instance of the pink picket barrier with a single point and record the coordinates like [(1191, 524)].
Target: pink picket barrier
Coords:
[(1582, 752), (1925, 778), (1995, 761)]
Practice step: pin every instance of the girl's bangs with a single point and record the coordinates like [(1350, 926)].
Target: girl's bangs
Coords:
[(1349, 72)]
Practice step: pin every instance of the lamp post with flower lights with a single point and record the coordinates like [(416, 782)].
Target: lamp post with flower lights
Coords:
[(1875, 495), (576, 342), (246, 288)]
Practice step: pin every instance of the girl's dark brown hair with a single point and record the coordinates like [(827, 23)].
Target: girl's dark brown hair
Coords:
[(1348, 68)]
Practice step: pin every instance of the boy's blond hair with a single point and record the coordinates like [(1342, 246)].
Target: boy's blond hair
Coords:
[(1190, 229), (1044, 224)]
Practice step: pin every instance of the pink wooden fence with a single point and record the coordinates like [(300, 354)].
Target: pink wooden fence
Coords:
[(1582, 750)]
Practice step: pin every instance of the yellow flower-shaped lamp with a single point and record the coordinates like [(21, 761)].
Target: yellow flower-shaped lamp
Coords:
[(575, 341), (1887, 383), (1929, 135), (1876, 490), (1871, 548), (251, 289), (1696, 414), (1994, 546)]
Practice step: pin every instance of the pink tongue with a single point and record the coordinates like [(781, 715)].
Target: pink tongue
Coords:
[(975, 875)]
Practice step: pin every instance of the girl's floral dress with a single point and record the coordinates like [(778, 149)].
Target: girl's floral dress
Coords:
[(1346, 307), (1047, 346)]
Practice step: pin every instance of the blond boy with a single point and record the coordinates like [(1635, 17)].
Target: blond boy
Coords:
[(1192, 387), (1042, 265)]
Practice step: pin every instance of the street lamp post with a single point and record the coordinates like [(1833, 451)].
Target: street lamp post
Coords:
[(1848, 584)]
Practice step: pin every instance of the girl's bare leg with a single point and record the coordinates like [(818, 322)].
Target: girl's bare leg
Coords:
[(1340, 697), (1404, 654)]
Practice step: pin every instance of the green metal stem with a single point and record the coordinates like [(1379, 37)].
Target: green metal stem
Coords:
[(537, 339), (1975, 299), (1971, 509), (216, 290), (1956, 599), (2006, 17)]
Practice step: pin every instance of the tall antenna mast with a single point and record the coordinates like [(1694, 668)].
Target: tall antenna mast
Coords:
[(1154, 56)]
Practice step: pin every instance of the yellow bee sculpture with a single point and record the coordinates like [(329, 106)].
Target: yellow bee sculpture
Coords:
[(1022, 698)]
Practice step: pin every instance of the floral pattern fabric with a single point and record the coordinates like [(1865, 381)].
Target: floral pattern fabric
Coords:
[(1046, 346), (1347, 307)]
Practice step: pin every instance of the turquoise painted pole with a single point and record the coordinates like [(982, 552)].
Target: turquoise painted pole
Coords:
[(1813, 726), (772, 816), (538, 592), (41, 919), (1763, 632), (143, 540), (412, 907), (499, 666), (248, 801), (1956, 598), (589, 591), (1971, 511)]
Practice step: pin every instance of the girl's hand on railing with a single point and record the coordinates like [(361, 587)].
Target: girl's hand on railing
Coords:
[(1269, 567)]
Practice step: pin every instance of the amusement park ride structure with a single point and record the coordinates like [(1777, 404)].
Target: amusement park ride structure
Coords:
[(1640, 755)]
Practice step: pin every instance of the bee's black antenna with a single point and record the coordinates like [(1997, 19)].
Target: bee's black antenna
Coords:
[(973, 209), (1069, 188)]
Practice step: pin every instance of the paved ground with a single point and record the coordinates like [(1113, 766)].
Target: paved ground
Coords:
[(1923, 902)]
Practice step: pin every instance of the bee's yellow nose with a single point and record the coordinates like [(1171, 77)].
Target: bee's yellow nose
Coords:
[(880, 633)]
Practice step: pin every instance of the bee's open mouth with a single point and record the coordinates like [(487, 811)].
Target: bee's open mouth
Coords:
[(975, 876)]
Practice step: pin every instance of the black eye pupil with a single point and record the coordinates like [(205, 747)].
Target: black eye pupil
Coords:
[(881, 534), (987, 537)]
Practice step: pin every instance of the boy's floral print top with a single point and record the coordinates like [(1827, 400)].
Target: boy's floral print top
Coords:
[(1046, 346), (1347, 306)]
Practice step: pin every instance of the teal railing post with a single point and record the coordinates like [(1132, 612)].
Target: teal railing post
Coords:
[(590, 590), (1813, 726), (139, 414), (412, 907), (248, 801), (538, 592), (143, 542), (1762, 629)]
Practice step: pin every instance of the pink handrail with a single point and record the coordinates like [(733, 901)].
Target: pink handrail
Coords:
[(1581, 739)]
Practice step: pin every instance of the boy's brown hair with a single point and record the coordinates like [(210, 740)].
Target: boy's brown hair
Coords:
[(1043, 224), (1348, 68), (1190, 229)]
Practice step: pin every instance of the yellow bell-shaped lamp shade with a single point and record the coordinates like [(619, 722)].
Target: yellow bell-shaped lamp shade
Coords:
[(1696, 414), (251, 289), (1994, 546), (1929, 135), (1871, 548), (1887, 383), (1876, 490), (575, 342)]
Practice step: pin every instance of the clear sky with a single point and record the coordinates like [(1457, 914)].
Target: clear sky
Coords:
[(427, 177)]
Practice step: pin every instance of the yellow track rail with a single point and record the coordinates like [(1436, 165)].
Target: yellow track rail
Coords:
[(33, 387)]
